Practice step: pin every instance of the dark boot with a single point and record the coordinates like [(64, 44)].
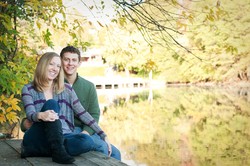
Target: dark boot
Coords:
[(24, 152), (34, 142), (54, 135)]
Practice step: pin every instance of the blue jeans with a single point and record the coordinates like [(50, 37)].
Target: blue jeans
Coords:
[(77, 144), (36, 143), (101, 146)]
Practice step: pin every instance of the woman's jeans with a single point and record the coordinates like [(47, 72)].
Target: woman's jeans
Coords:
[(101, 146), (36, 143)]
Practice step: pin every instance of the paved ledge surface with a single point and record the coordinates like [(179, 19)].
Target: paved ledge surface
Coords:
[(10, 156)]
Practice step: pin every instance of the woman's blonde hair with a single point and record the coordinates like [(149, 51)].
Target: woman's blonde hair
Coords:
[(41, 75)]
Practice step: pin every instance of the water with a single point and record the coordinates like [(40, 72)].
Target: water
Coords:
[(180, 126)]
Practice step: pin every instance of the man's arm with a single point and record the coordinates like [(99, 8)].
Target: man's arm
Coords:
[(93, 108), (25, 124)]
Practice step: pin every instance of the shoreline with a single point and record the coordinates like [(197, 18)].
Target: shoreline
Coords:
[(238, 84)]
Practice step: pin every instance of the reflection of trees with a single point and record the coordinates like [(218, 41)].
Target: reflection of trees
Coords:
[(222, 141), (222, 136), (133, 98), (203, 123)]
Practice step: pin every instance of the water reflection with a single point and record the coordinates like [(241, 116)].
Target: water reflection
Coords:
[(181, 126)]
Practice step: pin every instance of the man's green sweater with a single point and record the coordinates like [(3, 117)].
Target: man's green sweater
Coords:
[(86, 92)]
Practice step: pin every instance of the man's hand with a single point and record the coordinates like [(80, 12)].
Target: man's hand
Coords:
[(27, 123), (85, 132), (109, 146)]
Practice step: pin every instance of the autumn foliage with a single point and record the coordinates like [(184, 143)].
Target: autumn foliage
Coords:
[(9, 107), (19, 42)]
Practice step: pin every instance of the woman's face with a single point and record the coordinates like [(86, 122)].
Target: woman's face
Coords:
[(54, 68)]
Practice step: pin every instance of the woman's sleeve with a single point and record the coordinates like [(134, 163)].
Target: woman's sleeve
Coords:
[(28, 104), (85, 116)]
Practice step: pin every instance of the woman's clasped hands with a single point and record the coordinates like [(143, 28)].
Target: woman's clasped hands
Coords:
[(48, 116)]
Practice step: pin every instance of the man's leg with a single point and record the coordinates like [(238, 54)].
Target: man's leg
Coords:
[(101, 146), (77, 144), (116, 153)]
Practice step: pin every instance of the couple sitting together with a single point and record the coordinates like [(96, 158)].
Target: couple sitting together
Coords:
[(62, 111)]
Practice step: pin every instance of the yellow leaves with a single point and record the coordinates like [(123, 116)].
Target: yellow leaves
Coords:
[(8, 108), (174, 2), (214, 14), (191, 18), (181, 25), (38, 24), (10, 101), (2, 108), (12, 117), (231, 49), (2, 4), (122, 21), (2, 118), (16, 107)]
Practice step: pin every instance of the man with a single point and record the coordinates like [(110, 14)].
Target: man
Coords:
[(86, 92)]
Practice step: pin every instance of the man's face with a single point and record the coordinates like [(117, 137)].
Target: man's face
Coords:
[(70, 63)]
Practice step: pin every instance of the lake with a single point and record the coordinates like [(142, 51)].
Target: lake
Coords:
[(179, 125)]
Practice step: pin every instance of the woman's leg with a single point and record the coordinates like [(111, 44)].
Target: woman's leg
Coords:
[(49, 135), (54, 134), (35, 142)]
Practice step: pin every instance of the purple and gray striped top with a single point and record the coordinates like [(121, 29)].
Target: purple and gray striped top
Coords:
[(69, 104)]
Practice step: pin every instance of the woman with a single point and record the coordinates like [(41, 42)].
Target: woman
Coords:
[(49, 103)]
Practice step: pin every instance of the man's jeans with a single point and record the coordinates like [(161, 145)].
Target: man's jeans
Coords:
[(101, 146), (77, 144)]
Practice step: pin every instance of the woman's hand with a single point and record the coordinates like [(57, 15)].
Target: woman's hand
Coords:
[(109, 146), (49, 116)]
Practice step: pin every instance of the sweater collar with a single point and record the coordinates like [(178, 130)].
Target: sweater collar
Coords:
[(77, 76)]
